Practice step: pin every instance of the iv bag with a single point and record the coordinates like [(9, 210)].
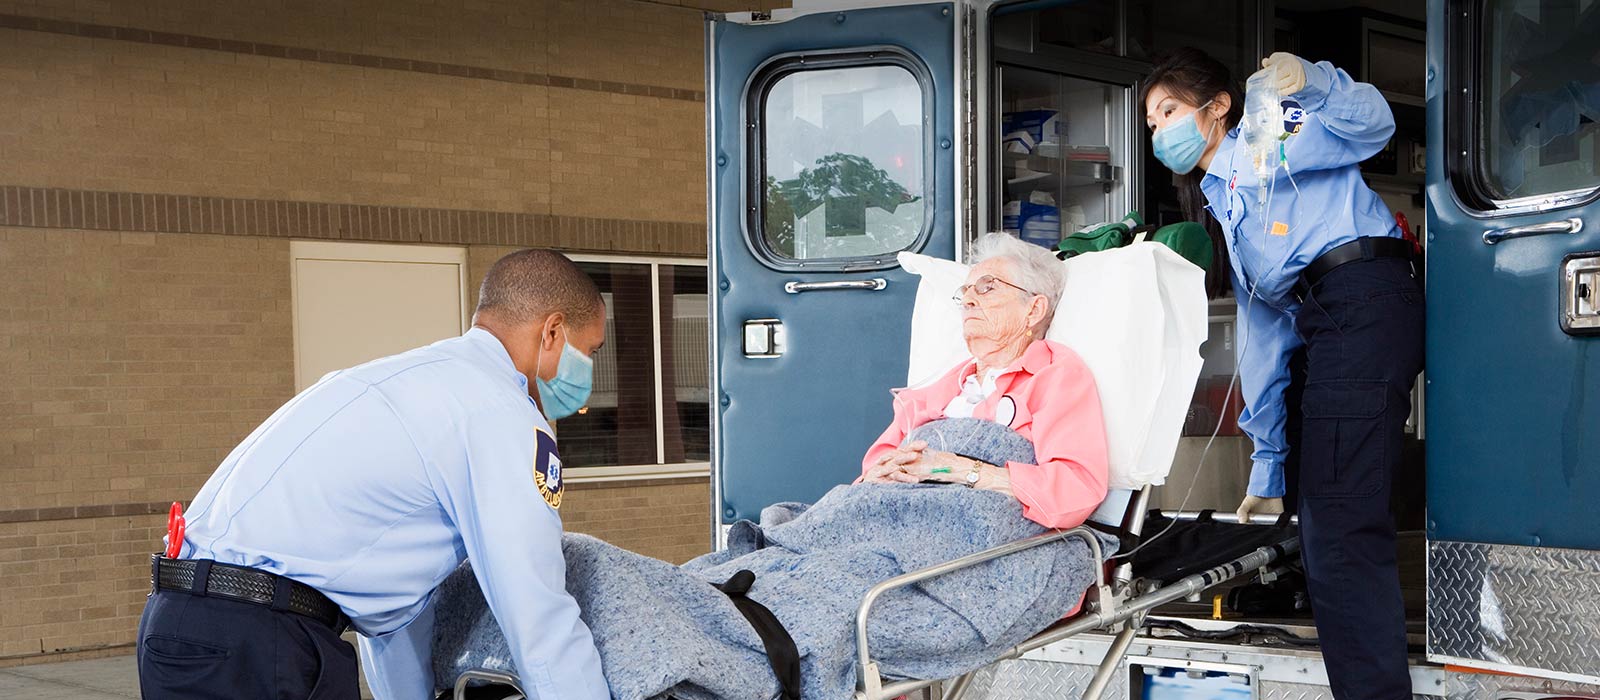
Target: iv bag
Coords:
[(1263, 125)]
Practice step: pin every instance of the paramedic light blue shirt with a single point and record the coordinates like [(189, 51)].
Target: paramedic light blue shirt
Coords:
[(1340, 123), (372, 485)]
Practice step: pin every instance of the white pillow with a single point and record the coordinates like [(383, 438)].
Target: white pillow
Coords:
[(936, 342), (1145, 371)]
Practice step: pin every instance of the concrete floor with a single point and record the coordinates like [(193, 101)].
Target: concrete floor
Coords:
[(114, 678)]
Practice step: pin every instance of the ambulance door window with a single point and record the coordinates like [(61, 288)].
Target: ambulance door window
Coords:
[(840, 153), (1539, 118)]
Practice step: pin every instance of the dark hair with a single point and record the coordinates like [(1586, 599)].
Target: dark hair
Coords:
[(1195, 77), (529, 285)]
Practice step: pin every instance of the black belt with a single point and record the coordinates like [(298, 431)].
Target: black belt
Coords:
[(782, 654), (1364, 248), (205, 577)]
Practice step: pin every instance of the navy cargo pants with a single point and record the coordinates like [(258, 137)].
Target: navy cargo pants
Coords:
[(1363, 328), (195, 647)]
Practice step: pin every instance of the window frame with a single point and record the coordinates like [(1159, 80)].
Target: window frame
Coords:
[(659, 470), (1464, 137), (753, 108)]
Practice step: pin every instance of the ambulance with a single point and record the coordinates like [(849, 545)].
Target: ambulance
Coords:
[(840, 134)]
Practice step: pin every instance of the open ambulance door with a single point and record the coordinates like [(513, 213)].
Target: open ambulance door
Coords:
[(1513, 274), (832, 139)]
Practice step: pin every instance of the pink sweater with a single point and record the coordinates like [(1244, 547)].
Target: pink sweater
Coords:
[(1050, 399)]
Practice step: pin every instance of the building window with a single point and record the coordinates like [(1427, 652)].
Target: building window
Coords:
[(649, 413), (840, 156)]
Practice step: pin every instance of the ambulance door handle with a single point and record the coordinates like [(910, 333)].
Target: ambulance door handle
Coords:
[(1494, 236), (872, 285), (765, 338)]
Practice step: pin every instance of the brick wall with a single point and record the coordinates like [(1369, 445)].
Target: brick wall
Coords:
[(155, 158), (133, 363), (670, 520)]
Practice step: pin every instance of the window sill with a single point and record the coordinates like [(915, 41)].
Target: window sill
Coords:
[(637, 473)]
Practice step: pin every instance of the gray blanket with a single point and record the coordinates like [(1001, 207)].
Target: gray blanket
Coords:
[(664, 631)]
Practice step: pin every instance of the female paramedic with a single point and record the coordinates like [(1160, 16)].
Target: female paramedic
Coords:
[(1325, 283)]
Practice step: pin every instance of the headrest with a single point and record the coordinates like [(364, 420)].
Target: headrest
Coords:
[(1136, 315)]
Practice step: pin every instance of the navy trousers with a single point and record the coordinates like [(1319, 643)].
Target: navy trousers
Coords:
[(198, 647), (1363, 328)]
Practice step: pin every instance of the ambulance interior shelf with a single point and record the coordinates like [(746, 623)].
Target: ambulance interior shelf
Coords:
[(1026, 171), (1058, 168)]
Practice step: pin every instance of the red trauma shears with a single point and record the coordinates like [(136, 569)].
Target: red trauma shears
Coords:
[(175, 528)]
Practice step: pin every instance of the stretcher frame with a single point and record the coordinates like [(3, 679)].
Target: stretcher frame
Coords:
[(1113, 606)]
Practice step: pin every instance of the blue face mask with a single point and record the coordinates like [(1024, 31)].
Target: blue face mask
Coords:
[(569, 390), (1179, 145)]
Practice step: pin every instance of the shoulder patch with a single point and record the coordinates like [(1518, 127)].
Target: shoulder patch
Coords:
[(1293, 116), (547, 468)]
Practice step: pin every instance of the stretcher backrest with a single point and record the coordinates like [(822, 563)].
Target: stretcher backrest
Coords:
[(1136, 315), (1113, 512)]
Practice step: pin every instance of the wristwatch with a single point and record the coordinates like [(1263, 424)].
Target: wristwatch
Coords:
[(973, 476)]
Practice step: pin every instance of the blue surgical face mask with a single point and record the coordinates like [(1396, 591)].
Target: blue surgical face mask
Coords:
[(563, 395), (1179, 145)]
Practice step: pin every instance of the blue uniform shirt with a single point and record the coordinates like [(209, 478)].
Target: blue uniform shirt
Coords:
[(1336, 123), (374, 484)]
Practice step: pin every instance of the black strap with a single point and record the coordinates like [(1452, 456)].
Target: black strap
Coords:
[(1126, 541), (782, 654)]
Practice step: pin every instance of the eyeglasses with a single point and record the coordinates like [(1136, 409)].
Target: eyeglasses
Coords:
[(983, 286)]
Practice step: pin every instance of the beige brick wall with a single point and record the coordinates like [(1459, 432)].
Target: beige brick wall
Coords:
[(604, 147), (131, 363), (671, 521), (599, 39), (135, 361), (73, 584), (195, 121)]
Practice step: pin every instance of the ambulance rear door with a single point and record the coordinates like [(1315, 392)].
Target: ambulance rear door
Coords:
[(1513, 396), (832, 136)]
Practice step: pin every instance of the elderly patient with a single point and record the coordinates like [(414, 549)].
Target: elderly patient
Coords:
[(1037, 388)]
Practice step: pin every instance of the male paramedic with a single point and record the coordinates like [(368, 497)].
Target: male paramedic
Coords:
[(355, 499)]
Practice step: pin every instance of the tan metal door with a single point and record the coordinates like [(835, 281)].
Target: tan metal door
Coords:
[(355, 302)]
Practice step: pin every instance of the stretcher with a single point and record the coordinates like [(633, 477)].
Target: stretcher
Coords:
[(1144, 417), (1117, 603)]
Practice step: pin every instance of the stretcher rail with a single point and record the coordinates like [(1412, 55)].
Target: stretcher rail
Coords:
[(868, 679), (489, 677), (1102, 611)]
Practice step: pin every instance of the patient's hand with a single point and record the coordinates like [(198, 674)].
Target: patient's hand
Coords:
[(891, 467), (934, 465)]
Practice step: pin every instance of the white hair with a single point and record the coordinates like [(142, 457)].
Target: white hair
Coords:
[(1037, 268)]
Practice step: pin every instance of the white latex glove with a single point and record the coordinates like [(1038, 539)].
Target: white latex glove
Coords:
[(1260, 506), (1288, 72)]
